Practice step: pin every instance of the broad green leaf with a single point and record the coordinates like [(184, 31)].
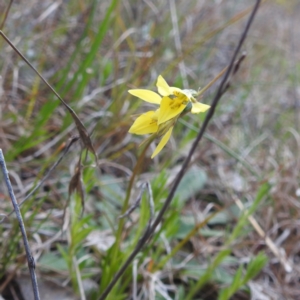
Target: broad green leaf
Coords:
[(192, 182)]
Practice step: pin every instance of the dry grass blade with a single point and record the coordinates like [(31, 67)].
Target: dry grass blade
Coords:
[(76, 184)]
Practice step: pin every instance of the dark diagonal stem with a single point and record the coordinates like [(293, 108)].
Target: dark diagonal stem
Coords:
[(30, 259)]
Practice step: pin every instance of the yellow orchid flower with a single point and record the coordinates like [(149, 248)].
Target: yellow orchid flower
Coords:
[(173, 102)]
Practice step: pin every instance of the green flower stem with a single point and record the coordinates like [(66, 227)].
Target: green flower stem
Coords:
[(116, 246)]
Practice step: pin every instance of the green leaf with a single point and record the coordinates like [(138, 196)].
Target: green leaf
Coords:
[(192, 182), (236, 283), (255, 266), (52, 261), (64, 254), (111, 189), (81, 235)]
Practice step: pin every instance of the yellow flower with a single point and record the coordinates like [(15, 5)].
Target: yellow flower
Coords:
[(173, 102)]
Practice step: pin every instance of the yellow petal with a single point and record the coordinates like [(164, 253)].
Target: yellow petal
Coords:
[(170, 108), (163, 87), (199, 107), (146, 95), (162, 142), (175, 89), (144, 124)]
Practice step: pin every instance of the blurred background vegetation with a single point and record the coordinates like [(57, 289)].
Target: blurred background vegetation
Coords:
[(232, 230)]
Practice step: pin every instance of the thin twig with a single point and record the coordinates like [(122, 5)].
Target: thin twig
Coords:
[(30, 259), (180, 174)]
